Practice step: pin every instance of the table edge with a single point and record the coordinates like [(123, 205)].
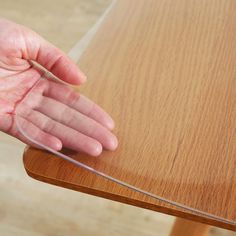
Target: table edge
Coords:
[(125, 200)]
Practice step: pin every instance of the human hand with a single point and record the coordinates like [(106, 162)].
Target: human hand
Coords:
[(53, 114)]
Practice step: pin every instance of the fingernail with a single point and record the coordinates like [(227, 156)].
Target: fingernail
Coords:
[(113, 143), (57, 146), (110, 123), (97, 150), (83, 77)]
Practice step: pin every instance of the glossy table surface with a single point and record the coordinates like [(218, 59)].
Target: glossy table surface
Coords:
[(165, 71)]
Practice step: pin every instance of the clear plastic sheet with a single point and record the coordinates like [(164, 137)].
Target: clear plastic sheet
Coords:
[(111, 170), (137, 172)]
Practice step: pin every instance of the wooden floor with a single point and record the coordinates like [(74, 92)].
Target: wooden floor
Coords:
[(28, 207)]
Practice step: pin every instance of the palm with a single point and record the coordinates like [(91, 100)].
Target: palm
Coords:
[(40, 111), (14, 87)]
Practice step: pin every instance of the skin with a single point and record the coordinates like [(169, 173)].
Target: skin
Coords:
[(48, 111)]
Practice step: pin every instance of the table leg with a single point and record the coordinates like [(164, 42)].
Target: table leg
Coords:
[(189, 228)]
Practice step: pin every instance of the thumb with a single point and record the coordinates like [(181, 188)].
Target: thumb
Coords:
[(54, 60)]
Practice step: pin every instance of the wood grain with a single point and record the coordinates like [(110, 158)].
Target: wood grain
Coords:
[(166, 72), (189, 228)]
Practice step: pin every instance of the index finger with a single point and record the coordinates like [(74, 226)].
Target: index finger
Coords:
[(69, 97)]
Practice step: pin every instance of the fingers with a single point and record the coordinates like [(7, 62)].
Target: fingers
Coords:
[(77, 121), (66, 95), (74, 129), (70, 138), (32, 131)]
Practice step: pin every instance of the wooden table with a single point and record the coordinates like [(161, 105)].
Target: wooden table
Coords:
[(166, 71)]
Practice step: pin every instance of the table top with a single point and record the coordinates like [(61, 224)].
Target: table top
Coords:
[(166, 73)]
